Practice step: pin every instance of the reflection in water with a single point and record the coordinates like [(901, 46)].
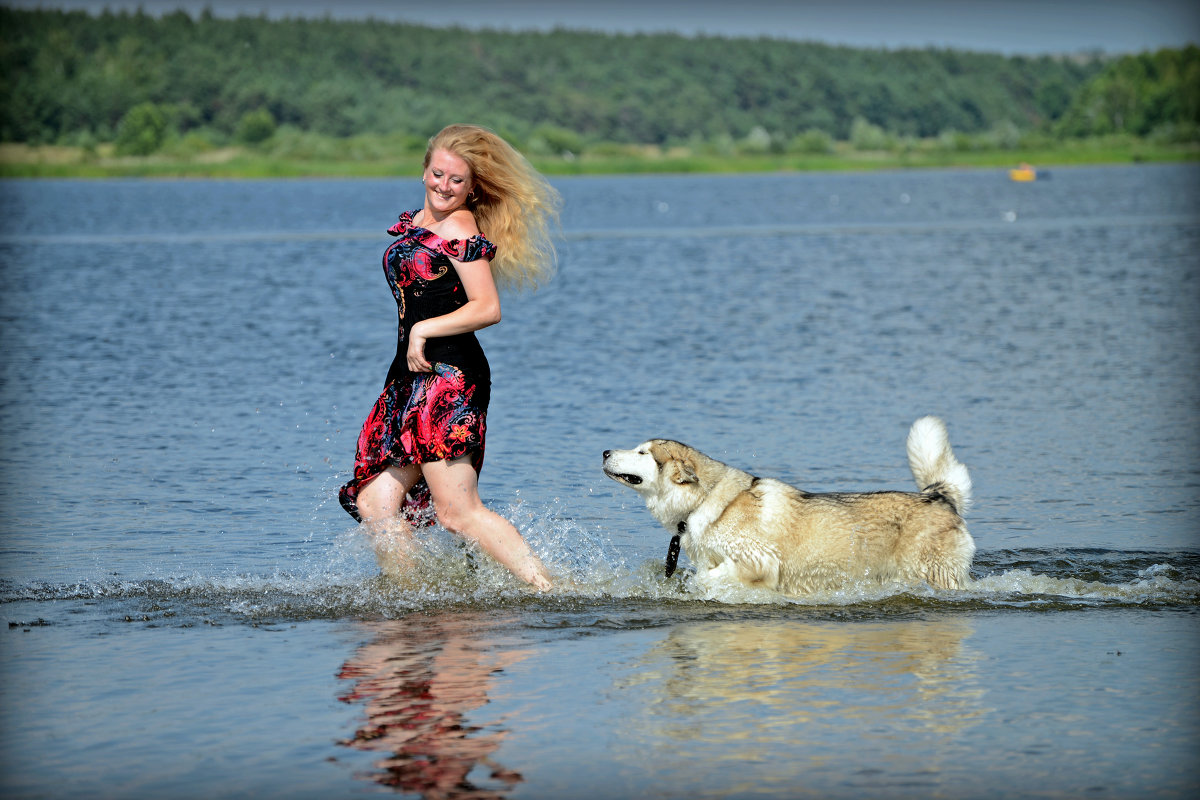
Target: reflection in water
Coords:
[(802, 695), (419, 679)]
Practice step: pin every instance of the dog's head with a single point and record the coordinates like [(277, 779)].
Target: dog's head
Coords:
[(645, 467), (667, 475)]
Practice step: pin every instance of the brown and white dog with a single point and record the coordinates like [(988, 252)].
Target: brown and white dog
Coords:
[(765, 533)]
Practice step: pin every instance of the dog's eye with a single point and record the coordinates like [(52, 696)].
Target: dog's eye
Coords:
[(643, 452)]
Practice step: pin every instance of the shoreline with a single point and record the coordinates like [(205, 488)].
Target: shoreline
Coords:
[(25, 161)]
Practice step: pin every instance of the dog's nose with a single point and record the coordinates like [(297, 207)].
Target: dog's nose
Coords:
[(607, 453)]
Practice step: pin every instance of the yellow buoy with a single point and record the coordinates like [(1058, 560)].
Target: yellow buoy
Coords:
[(1023, 173)]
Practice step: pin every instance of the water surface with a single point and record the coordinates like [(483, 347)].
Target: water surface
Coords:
[(186, 364)]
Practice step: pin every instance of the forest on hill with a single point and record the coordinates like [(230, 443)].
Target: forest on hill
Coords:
[(145, 82)]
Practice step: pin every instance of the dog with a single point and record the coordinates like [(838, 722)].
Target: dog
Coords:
[(765, 533)]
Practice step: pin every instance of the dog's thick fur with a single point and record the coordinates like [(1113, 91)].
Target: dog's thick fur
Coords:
[(765, 533)]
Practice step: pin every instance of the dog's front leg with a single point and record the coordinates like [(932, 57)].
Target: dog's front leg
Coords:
[(744, 558), (723, 575)]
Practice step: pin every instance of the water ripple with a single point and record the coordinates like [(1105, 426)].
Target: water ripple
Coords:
[(1029, 580)]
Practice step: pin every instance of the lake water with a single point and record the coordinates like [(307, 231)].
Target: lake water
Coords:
[(191, 614)]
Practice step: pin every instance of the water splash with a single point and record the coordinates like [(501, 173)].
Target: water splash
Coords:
[(1158, 584), (341, 580)]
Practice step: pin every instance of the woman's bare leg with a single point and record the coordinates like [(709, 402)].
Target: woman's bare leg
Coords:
[(455, 489), (379, 504)]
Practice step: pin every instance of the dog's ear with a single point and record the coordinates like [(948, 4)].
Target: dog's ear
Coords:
[(684, 472), (674, 461)]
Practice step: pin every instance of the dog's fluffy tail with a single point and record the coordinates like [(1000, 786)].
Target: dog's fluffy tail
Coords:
[(934, 466)]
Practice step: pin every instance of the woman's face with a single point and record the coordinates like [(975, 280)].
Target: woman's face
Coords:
[(447, 182)]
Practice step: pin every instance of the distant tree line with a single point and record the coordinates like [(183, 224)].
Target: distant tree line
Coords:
[(141, 80), (1149, 94)]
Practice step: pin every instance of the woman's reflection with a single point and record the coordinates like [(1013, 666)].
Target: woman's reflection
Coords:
[(419, 679)]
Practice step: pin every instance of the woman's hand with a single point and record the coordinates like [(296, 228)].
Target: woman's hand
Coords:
[(416, 351)]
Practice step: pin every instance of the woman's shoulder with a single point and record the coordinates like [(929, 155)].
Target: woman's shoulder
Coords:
[(459, 225), (460, 239)]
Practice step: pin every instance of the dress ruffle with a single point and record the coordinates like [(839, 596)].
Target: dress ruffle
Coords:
[(472, 249), (431, 418)]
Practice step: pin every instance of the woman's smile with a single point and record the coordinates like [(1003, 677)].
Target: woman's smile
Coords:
[(447, 181)]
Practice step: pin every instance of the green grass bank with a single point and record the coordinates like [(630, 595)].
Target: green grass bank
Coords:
[(376, 160)]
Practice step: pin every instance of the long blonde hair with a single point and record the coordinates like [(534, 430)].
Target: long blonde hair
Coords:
[(514, 206)]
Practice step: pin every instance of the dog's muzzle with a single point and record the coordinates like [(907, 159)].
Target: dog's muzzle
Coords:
[(623, 477)]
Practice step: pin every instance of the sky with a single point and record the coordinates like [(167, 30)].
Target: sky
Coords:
[(1005, 26)]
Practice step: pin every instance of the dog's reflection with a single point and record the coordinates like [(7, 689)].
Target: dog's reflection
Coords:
[(419, 679), (792, 679)]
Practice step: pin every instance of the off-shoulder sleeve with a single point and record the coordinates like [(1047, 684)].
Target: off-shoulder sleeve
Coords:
[(404, 224), (471, 249)]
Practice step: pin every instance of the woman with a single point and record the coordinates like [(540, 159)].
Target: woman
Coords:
[(485, 218)]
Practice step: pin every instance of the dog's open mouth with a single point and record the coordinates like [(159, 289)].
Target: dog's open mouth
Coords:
[(624, 477)]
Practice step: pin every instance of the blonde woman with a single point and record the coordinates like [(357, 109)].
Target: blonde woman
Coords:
[(485, 219)]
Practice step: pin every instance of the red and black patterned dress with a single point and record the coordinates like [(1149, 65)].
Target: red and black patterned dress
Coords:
[(425, 416)]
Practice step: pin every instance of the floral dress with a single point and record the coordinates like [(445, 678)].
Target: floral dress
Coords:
[(425, 416)]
